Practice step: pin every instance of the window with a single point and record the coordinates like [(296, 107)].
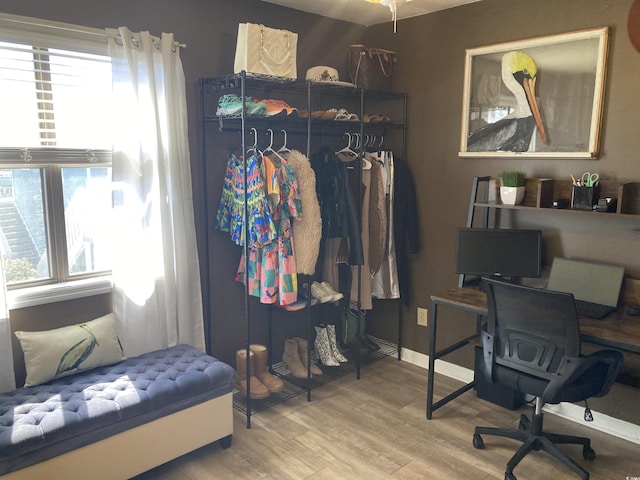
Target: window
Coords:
[(55, 155)]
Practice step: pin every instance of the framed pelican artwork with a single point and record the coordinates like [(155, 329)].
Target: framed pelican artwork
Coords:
[(540, 97)]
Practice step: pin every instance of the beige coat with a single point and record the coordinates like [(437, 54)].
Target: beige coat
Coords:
[(307, 230)]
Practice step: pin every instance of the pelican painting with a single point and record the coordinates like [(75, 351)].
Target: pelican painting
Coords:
[(514, 132), (79, 352)]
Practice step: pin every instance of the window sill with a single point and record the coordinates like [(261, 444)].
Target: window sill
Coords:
[(29, 297)]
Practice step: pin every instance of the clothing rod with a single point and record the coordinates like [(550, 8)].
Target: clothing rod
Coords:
[(18, 20)]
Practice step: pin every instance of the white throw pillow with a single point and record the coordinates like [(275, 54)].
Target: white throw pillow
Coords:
[(64, 351)]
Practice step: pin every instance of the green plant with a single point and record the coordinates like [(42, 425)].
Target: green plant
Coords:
[(513, 178)]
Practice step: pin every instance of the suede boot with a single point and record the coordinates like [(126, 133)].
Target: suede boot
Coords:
[(291, 358), (303, 348), (273, 383), (258, 389)]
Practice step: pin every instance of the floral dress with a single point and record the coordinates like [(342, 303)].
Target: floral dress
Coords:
[(272, 274)]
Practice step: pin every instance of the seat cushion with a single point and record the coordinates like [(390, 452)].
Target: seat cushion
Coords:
[(40, 422), (585, 386)]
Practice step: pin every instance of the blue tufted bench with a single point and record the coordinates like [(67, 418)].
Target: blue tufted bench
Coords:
[(98, 423)]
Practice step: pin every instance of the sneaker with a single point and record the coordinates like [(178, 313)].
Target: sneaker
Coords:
[(318, 291), (231, 105), (302, 301), (276, 107), (336, 295)]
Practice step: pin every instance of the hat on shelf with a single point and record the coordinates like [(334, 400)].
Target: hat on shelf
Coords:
[(324, 74)]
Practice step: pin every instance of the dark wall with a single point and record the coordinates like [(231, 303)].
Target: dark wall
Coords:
[(430, 69), (209, 28), (431, 52)]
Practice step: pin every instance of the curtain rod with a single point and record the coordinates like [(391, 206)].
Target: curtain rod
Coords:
[(67, 27)]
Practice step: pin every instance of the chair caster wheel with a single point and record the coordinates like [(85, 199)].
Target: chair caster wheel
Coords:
[(588, 453), (509, 476), (478, 442)]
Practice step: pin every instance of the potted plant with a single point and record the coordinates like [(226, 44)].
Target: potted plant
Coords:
[(512, 187)]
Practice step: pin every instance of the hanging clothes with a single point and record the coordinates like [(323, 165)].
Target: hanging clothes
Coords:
[(341, 241), (271, 272), (405, 225), (307, 230), (385, 281), (377, 216), (230, 216), (359, 184)]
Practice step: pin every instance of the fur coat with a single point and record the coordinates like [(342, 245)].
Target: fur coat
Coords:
[(307, 231)]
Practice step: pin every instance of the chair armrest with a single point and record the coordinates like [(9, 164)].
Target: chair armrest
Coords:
[(572, 368)]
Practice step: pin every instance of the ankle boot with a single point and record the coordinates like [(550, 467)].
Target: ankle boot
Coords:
[(370, 344), (258, 390), (333, 344), (291, 358), (323, 348), (303, 348), (273, 383)]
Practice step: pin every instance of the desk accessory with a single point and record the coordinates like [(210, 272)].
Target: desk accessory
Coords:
[(607, 204), (633, 310), (560, 203), (584, 197)]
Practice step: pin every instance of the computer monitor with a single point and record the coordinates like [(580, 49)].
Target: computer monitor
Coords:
[(494, 252)]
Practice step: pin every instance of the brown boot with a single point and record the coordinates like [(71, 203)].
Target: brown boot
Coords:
[(292, 358), (302, 351), (258, 390), (273, 383)]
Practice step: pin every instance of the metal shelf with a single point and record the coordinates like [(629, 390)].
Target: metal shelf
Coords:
[(295, 386)]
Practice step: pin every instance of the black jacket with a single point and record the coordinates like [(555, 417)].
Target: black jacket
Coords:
[(338, 208)]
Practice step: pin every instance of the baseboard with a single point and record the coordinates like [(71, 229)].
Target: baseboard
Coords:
[(604, 423)]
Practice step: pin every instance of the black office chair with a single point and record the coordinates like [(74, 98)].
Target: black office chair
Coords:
[(531, 344)]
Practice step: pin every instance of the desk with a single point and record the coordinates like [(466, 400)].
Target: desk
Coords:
[(617, 331)]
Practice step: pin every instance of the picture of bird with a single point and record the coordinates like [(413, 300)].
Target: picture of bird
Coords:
[(79, 352), (514, 132)]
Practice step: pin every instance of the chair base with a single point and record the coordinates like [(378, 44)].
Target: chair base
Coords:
[(533, 438)]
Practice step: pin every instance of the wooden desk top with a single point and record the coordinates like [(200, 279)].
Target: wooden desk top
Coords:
[(617, 330), (466, 298)]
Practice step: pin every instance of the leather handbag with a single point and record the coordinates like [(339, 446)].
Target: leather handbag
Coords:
[(266, 51), (371, 68), (349, 331)]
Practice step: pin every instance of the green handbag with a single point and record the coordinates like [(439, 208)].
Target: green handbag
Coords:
[(350, 325)]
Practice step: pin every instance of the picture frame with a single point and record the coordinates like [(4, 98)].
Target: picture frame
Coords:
[(565, 75)]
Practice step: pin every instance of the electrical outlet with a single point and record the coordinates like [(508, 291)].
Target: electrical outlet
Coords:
[(423, 315)]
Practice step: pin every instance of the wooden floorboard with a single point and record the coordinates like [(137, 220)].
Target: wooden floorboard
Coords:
[(375, 428)]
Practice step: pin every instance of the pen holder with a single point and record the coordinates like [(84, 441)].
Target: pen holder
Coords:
[(584, 198)]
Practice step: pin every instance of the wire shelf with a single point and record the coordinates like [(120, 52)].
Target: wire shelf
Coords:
[(294, 387)]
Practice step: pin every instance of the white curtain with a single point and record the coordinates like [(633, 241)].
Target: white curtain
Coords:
[(157, 296), (7, 376)]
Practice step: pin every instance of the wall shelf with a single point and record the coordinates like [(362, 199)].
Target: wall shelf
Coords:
[(540, 193)]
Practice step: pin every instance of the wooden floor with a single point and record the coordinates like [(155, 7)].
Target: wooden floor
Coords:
[(375, 428)]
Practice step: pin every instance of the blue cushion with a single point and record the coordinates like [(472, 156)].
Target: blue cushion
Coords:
[(40, 422)]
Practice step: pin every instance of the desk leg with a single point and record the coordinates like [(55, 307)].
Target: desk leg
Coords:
[(433, 316)]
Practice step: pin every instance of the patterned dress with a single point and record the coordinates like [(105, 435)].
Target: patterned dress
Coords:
[(272, 274), (261, 230)]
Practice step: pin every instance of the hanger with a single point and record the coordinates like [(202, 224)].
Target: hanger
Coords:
[(283, 148), (269, 150), (254, 148), (347, 149)]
